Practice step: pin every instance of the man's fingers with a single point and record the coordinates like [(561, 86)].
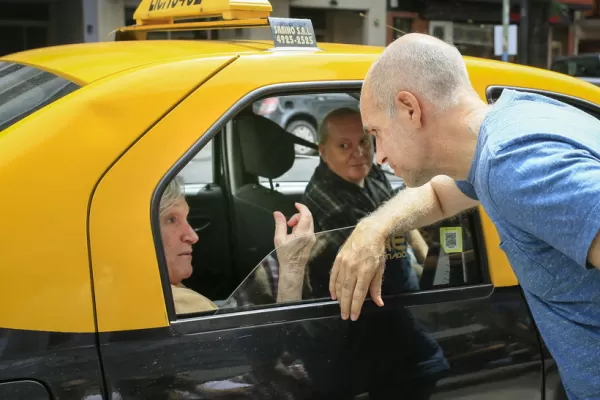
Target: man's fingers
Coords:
[(348, 288), (358, 297), (375, 288), (294, 220), (333, 278), (280, 229), (305, 222)]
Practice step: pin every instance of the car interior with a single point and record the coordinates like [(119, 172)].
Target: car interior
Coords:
[(232, 210)]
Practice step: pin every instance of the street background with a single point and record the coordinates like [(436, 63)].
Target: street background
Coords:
[(546, 28)]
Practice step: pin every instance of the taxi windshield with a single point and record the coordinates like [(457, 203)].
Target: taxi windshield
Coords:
[(25, 89)]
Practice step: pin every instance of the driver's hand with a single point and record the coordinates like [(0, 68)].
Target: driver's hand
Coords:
[(294, 249), (358, 268)]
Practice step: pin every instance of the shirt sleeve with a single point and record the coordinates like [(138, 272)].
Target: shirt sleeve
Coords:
[(550, 190), (467, 189)]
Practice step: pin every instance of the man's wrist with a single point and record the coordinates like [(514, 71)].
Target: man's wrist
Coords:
[(375, 229)]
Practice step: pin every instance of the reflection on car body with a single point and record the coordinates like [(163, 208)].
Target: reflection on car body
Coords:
[(87, 310)]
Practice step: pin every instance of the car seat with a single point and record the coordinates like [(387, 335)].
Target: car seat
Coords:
[(267, 151)]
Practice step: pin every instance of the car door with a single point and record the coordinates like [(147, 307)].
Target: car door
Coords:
[(468, 333)]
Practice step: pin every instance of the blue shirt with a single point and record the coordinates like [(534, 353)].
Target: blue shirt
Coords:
[(536, 172)]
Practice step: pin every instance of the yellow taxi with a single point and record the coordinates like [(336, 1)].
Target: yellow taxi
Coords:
[(91, 137)]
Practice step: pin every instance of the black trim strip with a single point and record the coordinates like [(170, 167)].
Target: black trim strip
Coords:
[(479, 246), (321, 308), (492, 93)]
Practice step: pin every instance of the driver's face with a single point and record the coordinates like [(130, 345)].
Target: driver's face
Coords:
[(178, 238)]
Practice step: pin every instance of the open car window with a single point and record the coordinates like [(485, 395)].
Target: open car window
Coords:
[(299, 270)]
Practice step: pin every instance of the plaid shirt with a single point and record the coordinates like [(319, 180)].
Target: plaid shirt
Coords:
[(336, 203)]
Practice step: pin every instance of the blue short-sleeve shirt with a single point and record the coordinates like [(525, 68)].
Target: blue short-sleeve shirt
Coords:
[(536, 172)]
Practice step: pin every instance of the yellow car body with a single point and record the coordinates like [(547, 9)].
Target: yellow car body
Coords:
[(77, 245)]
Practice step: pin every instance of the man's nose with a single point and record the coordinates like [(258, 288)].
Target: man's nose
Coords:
[(190, 235)]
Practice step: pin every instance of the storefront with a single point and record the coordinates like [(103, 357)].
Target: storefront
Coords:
[(26, 24)]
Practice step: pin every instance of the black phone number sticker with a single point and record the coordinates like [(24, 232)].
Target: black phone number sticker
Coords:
[(294, 40)]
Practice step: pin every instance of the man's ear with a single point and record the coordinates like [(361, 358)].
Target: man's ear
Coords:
[(407, 105), (322, 151)]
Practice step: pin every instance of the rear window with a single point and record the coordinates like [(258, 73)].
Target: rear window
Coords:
[(24, 90)]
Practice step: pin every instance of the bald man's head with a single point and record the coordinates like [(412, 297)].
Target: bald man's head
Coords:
[(430, 69)]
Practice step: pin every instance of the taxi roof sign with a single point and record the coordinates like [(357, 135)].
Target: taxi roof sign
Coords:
[(183, 15), (151, 12)]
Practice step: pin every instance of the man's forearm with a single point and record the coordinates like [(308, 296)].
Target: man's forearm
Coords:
[(410, 209), (414, 208)]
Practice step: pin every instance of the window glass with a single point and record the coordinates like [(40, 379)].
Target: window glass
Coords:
[(220, 242), (302, 115), (200, 169), (24, 90)]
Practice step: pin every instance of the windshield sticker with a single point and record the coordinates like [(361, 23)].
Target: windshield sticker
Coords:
[(451, 238)]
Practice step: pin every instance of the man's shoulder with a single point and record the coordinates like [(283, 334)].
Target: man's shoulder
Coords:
[(521, 120)]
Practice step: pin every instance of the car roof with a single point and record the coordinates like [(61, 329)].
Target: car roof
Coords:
[(87, 62)]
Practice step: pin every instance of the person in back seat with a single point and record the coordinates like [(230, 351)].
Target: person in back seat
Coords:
[(346, 187), (283, 280)]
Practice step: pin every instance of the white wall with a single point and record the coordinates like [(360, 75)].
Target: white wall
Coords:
[(111, 15), (345, 26), (374, 32)]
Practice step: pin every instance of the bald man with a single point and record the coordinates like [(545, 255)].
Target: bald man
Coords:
[(533, 163)]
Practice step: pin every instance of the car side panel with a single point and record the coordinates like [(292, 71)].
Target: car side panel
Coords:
[(310, 353), (50, 163), (66, 364)]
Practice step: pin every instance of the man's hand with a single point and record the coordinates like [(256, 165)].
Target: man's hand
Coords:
[(294, 249), (358, 268)]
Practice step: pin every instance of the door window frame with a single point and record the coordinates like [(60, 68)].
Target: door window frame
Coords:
[(305, 309), (583, 105)]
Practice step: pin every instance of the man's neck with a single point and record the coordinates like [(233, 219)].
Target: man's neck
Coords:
[(458, 135)]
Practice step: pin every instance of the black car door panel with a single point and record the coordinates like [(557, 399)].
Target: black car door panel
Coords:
[(464, 348)]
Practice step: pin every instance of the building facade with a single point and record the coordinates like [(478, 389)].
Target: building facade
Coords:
[(27, 24), (547, 28)]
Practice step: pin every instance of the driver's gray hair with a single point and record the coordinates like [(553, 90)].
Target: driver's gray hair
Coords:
[(323, 133), (172, 193), (426, 67)]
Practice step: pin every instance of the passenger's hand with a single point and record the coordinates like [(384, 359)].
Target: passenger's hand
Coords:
[(294, 249), (358, 268)]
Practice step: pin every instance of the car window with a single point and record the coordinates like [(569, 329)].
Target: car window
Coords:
[(225, 251), (25, 89), (302, 115)]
